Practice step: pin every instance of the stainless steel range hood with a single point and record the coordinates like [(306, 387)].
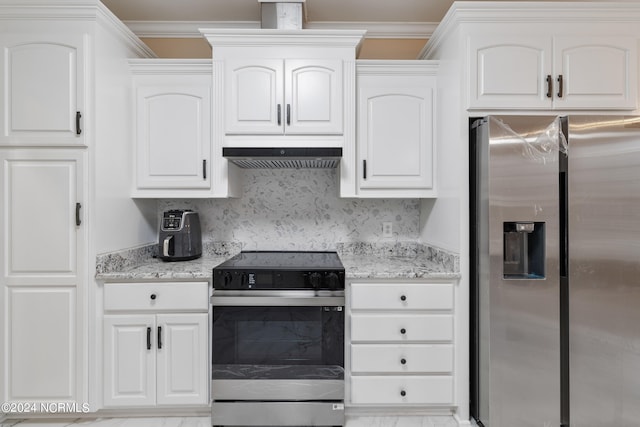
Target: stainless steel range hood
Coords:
[(283, 158)]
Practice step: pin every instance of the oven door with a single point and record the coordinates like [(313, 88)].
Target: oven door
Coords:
[(278, 346)]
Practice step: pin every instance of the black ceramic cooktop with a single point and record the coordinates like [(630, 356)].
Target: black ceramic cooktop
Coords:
[(282, 260)]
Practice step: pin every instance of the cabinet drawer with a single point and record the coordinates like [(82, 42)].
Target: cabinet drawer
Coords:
[(410, 358), (407, 296), (401, 327), (169, 296), (424, 390)]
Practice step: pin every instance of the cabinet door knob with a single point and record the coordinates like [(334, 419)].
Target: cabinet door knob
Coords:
[(153, 296), (148, 338), (549, 86), (279, 114), (403, 361), (403, 298), (403, 331), (403, 393)]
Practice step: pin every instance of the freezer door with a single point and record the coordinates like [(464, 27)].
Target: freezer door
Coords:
[(604, 271), (518, 283)]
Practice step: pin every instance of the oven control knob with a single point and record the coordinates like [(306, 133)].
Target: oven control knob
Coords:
[(333, 281), (227, 279), (315, 279)]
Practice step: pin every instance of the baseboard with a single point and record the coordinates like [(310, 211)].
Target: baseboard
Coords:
[(462, 423)]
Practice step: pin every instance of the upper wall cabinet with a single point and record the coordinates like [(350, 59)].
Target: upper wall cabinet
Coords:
[(396, 128), (275, 96), (283, 88), (562, 72), (42, 88), (173, 128)]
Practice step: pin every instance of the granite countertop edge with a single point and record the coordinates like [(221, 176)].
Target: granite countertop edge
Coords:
[(363, 261)]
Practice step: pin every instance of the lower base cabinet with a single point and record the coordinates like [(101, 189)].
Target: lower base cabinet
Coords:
[(401, 344), (402, 390), (153, 358)]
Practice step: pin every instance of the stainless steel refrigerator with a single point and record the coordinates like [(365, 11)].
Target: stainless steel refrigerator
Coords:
[(555, 277)]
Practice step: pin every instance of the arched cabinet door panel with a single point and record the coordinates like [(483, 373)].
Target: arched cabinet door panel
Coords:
[(43, 90), (531, 72)]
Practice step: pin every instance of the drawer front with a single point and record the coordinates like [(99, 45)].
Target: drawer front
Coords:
[(401, 327), (409, 358), (423, 390), (169, 296), (402, 296)]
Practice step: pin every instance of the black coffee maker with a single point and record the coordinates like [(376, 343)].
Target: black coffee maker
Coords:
[(180, 237)]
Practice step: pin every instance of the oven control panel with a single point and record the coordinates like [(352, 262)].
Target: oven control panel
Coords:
[(260, 279)]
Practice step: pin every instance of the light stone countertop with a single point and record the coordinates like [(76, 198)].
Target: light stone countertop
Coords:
[(362, 263), (394, 267)]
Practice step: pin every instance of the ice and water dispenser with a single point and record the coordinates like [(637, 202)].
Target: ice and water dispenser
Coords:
[(524, 244)]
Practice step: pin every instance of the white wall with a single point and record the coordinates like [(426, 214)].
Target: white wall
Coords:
[(124, 222)]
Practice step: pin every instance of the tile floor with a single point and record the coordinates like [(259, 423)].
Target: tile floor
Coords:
[(408, 421)]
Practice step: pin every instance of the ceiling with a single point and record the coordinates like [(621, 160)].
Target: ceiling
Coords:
[(181, 18), (381, 18), (249, 10)]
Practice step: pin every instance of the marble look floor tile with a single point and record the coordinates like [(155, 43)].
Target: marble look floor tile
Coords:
[(42, 423), (404, 421), (386, 421), (116, 422)]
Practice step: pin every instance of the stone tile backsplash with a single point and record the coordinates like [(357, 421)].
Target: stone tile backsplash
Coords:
[(284, 209), (289, 209)]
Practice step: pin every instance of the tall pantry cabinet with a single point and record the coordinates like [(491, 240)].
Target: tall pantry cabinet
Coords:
[(64, 116)]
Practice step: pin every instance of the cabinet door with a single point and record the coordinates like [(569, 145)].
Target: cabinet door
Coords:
[(509, 71), (254, 96), (42, 89), (43, 224), (41, 351), (42, 268), (395, 133), (597, 72), (313, 97), (182, 344), (173, 137), (129, 360)]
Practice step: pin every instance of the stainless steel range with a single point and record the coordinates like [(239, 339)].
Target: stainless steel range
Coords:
[(278, 340)]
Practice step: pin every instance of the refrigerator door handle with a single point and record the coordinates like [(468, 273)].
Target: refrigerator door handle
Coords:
[(563, 225)]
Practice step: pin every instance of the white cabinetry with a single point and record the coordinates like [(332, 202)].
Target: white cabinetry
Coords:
[(401, 344), (43, 87), (284, 88), (65, 118), (43, 267), (173, 128), (515, 70), (396, 128), (276, 96), (156, 344)]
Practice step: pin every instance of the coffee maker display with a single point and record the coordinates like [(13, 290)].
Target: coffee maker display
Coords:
[(180, 237)]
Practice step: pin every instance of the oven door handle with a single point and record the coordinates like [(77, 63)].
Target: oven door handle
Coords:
[(281, 301)]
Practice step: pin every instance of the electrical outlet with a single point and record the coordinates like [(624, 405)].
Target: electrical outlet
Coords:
[(387, 229)]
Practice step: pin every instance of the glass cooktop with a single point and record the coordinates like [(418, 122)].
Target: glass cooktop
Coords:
[(282, 260)]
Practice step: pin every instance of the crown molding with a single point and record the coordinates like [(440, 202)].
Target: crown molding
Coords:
[(190, 29)]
